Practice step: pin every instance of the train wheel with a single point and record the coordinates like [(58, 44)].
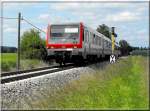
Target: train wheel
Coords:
[(60, 63), (64, 63)]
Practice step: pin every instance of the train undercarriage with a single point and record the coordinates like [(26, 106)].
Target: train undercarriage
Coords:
[(63, 57)]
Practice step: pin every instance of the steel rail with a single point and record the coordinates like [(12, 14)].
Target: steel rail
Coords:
[(20, 75), (25, 71)]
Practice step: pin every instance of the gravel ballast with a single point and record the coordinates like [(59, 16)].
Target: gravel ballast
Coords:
[(13, 92)]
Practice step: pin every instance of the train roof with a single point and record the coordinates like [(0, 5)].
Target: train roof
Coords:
[(71, 23)]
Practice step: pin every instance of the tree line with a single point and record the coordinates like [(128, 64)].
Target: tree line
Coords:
[(8, 49)]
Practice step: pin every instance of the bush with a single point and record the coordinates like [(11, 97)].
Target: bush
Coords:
[(32, 46)]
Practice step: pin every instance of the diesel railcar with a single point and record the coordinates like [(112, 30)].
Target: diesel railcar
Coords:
[(75, 42)]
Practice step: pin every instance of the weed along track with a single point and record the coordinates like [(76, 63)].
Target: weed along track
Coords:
[(20, 75)]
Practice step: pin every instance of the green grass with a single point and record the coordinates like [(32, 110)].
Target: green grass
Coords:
[(9, 57), (123, 85), (9, 62)]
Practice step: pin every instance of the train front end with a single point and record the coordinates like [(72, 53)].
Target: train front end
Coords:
[(64, 42)]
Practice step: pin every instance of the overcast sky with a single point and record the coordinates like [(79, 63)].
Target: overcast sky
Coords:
[(130, 19)]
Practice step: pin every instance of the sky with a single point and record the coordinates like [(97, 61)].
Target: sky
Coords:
[(131, 19)]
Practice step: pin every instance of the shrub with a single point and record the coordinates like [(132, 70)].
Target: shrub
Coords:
[(32, 46)]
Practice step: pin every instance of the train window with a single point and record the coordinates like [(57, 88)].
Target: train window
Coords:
[(93, 38), (88, 35), (64, 34), (57, 34), (106, 44), (99, 40), (85, 35), (94, 35)]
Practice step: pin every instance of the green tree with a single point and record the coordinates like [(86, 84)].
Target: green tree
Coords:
[(125, 47), (104, 29), (32, 46)]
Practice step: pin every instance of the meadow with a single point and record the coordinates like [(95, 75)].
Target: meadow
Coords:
[(9, 62), (123, 85)]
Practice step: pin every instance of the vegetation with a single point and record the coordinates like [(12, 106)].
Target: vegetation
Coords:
[(141, 52), (32, 46), (9, 62), (104, 29), (33, 52), (32, 63), (123, 85), (125, 48)]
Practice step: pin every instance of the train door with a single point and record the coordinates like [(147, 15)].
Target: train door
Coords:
[(84, 44), (89, 42)]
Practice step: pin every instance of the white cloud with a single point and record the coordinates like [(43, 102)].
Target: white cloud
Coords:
[(64, 6), (122, 17), (10, 29), (44, 16), (142, 32)]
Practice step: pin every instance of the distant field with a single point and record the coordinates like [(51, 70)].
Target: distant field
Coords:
[(9, 62), (6, 57), (123, 85), (141, 52)]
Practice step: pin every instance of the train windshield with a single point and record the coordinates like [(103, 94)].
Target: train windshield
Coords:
[(64, 34)]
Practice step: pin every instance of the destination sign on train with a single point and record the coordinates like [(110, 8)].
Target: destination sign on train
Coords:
[(71, 30)]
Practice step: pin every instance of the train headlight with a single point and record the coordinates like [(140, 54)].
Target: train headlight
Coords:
[(75, 47), (63, 47), (52, 47)]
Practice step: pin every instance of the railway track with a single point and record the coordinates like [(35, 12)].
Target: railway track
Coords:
[(24, 74)]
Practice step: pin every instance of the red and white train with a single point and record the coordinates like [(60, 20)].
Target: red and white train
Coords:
[(75, 42)]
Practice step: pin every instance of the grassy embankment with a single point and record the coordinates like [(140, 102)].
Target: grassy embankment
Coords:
[(123, 85), (9, 62)]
